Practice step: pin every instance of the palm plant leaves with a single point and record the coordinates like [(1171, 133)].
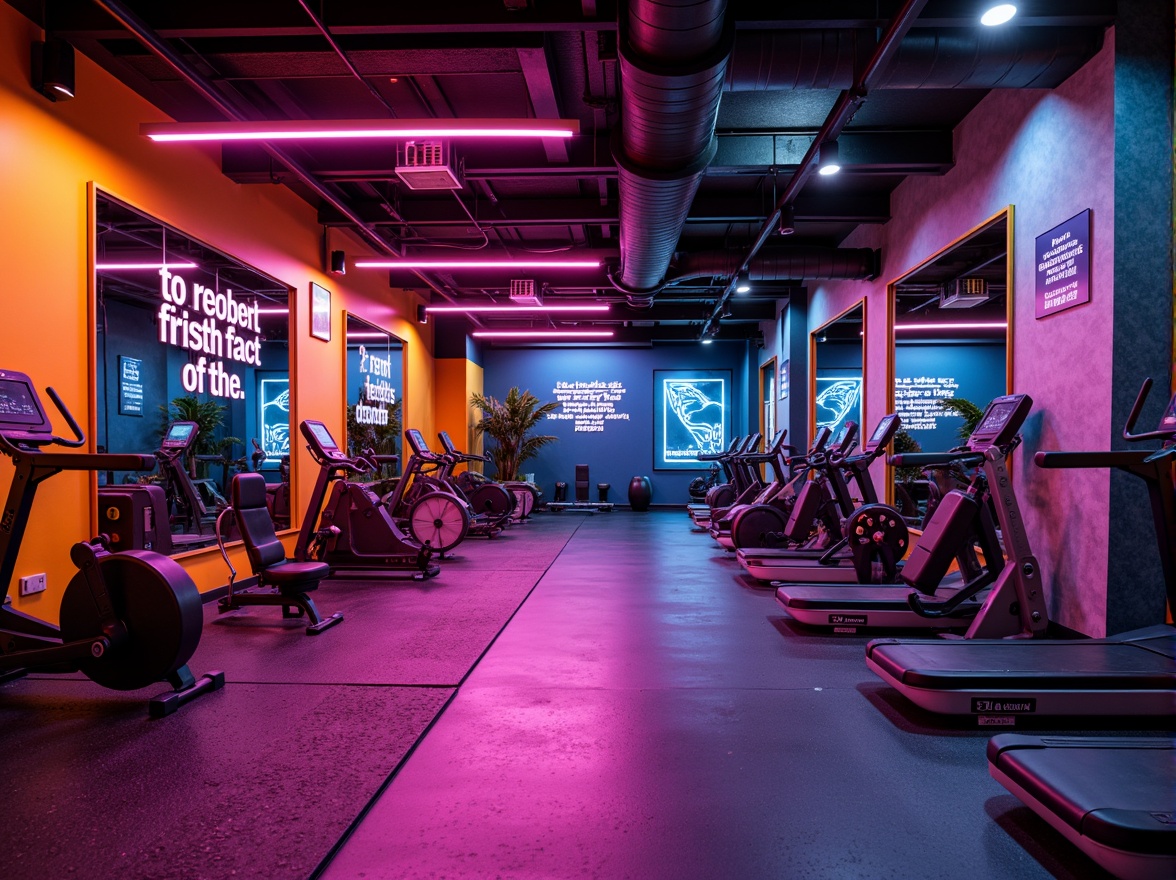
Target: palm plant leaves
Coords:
[(507, 423)]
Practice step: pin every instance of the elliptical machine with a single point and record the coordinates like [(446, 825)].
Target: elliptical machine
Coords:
[(352, 530), (127, 619)]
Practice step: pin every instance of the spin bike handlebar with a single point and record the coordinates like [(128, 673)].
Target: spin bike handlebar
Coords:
[(936, 459), (1140, 399)]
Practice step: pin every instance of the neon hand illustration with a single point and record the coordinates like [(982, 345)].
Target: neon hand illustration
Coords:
[(700, 415), (836, 403)]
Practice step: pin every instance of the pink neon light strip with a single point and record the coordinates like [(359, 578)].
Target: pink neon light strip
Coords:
[(994, 325), (101, 266), (561, 308), (477, 264), (300, 129), (273, 311), (543, 334)]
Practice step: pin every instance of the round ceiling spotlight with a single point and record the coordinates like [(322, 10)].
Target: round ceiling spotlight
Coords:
[(998, 14), (787, 220), (742, 284)]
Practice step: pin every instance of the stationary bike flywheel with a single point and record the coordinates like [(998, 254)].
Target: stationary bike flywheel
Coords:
[(159, 605), (439, 520)]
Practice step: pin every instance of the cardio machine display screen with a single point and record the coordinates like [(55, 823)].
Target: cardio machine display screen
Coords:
[(323, 436), (994, 421), (445, 441), (416, 440), (179, 434), (18, 404), (880, 431)]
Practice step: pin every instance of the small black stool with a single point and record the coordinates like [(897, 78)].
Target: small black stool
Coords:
[(561, 492), (602, 492)]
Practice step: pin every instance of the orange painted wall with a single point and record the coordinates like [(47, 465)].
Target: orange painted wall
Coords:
[(457, 379), (49, 153)]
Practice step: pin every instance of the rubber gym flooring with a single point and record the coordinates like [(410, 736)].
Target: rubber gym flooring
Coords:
[(645, 713)]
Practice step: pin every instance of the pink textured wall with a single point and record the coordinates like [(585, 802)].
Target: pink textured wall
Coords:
[(1049, 154)]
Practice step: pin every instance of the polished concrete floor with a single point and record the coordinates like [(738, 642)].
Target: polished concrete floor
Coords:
[(586, 696), (648, 713)]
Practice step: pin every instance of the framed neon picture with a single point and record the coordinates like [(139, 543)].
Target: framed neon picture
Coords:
[(691, 416), (320, 312)]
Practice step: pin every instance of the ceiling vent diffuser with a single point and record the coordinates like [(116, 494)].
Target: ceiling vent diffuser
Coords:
[(963, 293), (522, 293), (427, 165)]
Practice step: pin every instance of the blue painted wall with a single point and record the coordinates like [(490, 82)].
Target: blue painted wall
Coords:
[(978, 368), (625, 448)]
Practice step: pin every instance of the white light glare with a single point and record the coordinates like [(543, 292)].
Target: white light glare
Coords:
[(998, 14)]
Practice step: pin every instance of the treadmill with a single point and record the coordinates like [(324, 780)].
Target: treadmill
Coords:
[(836, 563), (1112, 797), (999, 681), (984, 594)]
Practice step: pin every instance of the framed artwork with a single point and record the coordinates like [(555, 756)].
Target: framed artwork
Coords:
[(691, 416), (320, 312), (784, 380)]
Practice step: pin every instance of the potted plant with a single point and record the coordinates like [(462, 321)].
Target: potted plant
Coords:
[(508, 423)]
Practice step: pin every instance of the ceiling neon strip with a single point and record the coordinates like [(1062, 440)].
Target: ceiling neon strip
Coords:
[(979, 325), (301, 129), (477, 264), (587, 307), (101, 266), (543, 334)]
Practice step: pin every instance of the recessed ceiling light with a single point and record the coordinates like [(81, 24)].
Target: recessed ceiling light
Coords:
[(998, 14)]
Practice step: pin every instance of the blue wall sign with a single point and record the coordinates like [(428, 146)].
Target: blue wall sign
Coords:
[(692, 416), (130, 386), (1062, 257)]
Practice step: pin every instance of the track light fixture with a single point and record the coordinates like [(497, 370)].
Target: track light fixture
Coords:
[(742, 284), (726, 313), (830, 161), (787, 220), (53, 69), (422, 314), (338, 263)]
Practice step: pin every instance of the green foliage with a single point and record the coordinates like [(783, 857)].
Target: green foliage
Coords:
[(507, 423), (904, 442), (966, 410)]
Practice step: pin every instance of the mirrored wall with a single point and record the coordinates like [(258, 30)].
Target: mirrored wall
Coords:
[(375, 390), (192, 365), (950, 346), (837, 358)]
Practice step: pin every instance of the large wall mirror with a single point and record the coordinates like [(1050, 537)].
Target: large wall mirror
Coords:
[(836, 352), (192, 365), (950, 341), (375, 390)]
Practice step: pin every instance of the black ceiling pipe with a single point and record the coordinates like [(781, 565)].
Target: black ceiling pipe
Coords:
[(783, 264), (673, 57), (927, 58)]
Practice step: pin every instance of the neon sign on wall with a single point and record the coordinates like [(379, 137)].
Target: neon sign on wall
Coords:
[(691, 416), (377, 394), (214, 325)]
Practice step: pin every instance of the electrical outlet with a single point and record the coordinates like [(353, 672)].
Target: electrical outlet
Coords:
[(34, 583)]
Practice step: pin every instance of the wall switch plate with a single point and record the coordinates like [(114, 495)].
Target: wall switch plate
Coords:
[(34, 583)]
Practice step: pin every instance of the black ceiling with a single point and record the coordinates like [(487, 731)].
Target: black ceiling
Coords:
[(779, 70)]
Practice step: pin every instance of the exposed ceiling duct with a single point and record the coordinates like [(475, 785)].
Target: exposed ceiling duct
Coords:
[(673, 59)]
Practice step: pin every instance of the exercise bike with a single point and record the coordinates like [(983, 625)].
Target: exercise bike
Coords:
[(493, 500), (277, 495), (350, 529), (127, 619)]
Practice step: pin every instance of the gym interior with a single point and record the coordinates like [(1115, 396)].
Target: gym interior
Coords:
[(584, 681)]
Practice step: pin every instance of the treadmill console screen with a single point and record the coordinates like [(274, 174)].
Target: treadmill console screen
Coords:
[(416, 441), (1001, 421), (446, 442), (883, 432), (322, 444), (821, 439), (19, 405), (180, 435)]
